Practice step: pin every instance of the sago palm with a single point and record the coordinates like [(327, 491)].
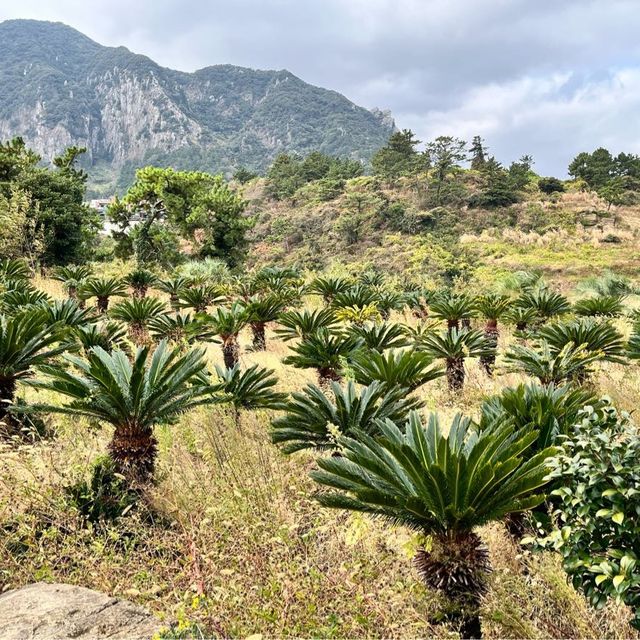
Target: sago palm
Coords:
[(388, 301), (454, 347), (260, 311), (68, 313), (102, 289), (550, 409), (14, 269), (140, 280), (443, 487), (454, 308), (325, 352), (17, 300), (227, 323), (181, 328), (379, 336), (546, 303), (521, 317), (395, 368), (600, 306), (137, 312), (72, 277), (596, 336), (173, 287), (356, 296), (253, 388), (314, 420), (328, 288), (300, 324), (571, 364), (27, 340), (199, 298), (106, 334), (492, 308), (131, 396)]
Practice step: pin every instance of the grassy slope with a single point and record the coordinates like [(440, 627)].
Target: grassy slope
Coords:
[(238, 546)]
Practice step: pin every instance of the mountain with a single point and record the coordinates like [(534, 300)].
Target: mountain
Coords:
[(61, 88)]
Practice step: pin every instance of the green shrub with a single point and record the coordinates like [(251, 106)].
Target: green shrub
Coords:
[(598, 508)]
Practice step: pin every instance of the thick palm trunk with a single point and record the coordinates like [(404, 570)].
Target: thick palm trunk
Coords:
[(466, 323), (455, 374), (453, 324), (72, 292), (139, 334), (139, 292), (230, 352), (326, 376), (174, 301), (103, 304), (491, 333), (259, 336), (134, 453), (7, 396), (457, 566)]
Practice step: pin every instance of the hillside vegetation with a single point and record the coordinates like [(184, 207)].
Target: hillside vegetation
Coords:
[(320, 403)]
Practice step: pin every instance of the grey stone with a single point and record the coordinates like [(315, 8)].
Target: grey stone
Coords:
[(62, 611)]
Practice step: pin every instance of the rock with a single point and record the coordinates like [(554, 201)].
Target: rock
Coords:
[(62, 611)]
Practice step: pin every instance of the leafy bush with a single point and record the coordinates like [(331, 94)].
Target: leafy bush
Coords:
[(598, 515), (550, 185)]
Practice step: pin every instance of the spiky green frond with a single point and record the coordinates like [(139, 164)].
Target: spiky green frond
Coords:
[(598, 337), (249, 389), (544, 302), (379, 336), (435, 483), (395, 368), (455, 344), (550, 410), (300, 324), (602, 306), (102, 287), (314, 420), (138, 311)]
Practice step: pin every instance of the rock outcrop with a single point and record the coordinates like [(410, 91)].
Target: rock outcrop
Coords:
[(62, 611)]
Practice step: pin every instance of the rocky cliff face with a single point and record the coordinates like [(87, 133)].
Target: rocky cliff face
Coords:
[(60, 88)]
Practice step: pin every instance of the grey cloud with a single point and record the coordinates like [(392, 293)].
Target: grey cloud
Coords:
[(531, 77)]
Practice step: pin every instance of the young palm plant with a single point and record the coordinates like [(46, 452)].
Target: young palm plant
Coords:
[(181, 328), (137, 313), (301, 324), (133, 397), (551, 410), (260, 311), (381, 336), (444, 487), (395, 368), (14, 270), (173, 287), (72, 277), (27, 340), (600, 306), (199, 298), (250, 389), (325, 352), (596, 336), (228, 323), (492, 308), (107, 335), (16, 300), (102, 289), (329, 288), (454, 308), (453, 347), (570, 364), (140, 281), (521, 317), (546, 303), (314, 420)]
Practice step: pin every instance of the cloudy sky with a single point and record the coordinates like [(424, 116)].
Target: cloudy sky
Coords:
[(545, 77)]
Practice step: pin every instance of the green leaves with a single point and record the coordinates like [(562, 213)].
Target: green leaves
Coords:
[(314, 421), (598, 503), (440, 484)]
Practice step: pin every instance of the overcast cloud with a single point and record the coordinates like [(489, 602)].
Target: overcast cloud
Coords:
[(545, 77)]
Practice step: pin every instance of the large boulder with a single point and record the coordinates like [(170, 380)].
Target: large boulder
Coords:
[(61, 611)]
